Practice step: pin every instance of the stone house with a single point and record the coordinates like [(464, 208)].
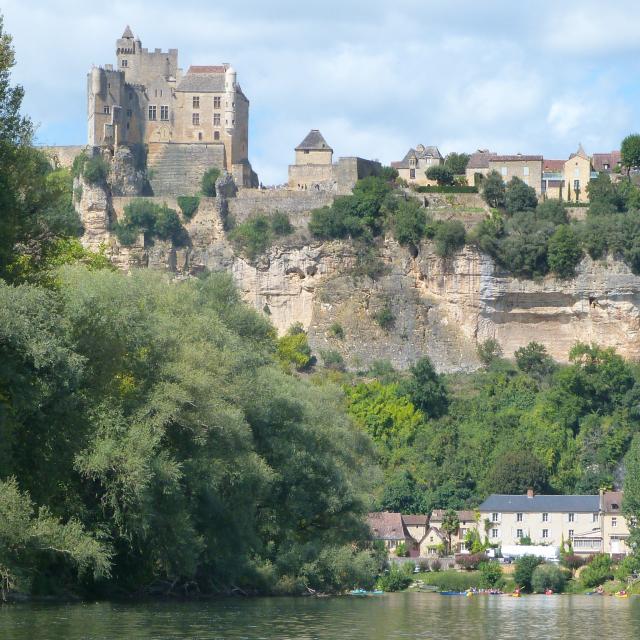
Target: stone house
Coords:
[(527, 168), (199, 117), (390, 528), (592, 523), (568, 180), (467, 520), (432, 542), (314, 169), (412, 168), (478, 166)]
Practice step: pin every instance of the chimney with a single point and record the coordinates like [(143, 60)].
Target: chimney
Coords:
[(529, 493)]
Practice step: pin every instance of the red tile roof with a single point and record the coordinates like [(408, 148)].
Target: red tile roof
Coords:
[(387, 526), (600, 159), (464, 516), (516, 158), (206, 69), (553, 165), (415, 520)]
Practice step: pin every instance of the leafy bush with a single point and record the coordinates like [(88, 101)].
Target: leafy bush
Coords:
[(402, 551), (493, 191), (457, 162), (548, 576), (564, 251), (294, 349), (409, 222), (95, 170), (280, 224), (523, 574), (572, 561), (490, 575), (398, 577), (454, 188), (337, 331), (188, 205), (426, 389), (489, 351), (630, 565), (332, 360), (154, 220), (519, 196), (470, 561), (534, 359), (384, 317), (253, 236), (208, 184), (448, 235), (598, 571), (441, 174)]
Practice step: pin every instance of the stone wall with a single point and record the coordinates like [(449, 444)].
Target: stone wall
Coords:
[(296, 204), (177, 169), (349, 170), (65, 155)]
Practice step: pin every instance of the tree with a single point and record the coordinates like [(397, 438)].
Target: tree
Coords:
[(534, 359), (554, 211), (490, 575), (631, 499), (442, 174), (409, 223), (449, 237), (426, 389), (208, 184), (457, 162), (604, 196), (564, 251), (450, 525), (519, 196), (402, 494), (525, 566), (630, 152), (548, 576), (598, 571), (493, 190), (514, 472), (489, 351), (294, 349)]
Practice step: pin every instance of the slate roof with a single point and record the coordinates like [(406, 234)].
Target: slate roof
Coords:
[(387, 526), (541, 503), (415, 520), (464, 516), (196, 81), (315, 141), (600, 159), (516, 158), (127, 32), (419, 153), (480, 159)]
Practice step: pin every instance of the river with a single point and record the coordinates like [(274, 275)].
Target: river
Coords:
[(403, 615)]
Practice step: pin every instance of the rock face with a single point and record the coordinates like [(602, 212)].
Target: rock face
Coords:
[(435, 307)]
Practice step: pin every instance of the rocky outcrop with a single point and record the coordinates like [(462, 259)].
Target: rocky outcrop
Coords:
[(438, 307)]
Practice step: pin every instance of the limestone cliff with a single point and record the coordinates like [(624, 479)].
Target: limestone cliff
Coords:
[(441, 308)]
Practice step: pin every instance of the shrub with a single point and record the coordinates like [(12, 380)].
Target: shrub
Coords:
[(154, 220), (449, 237), (332, 360), (519, 196), (453, 188), (409, 222), (598, 571), (337, 331), (525, 567), (384, 317), (441, 174), (572, 561), (489, 351), (188, 205), (368, 264), (490, 575), (534, 359), (253, 236), (493, 191), (95, 170), (453, 580), (397, 578), (294, 349), (280, 224), (564, 251), (470, 561), (548, 576), (630, 565), (389, 174), (402, 551), (126, 236), (208, 183)]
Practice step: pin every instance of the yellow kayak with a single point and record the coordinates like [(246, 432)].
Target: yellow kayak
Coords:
[(621, 595), (515, 595)]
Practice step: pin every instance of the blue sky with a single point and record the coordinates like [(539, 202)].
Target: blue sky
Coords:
[(376, 77)]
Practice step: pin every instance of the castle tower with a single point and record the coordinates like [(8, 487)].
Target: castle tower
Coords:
[(230, 111)]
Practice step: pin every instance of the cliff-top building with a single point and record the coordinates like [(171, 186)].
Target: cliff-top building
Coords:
[(189, 121)]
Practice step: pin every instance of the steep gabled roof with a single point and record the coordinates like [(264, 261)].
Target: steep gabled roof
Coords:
[(540, 504), (387, 526), (419, 153), (127, 32), (599, 160), (480, 159), (314, 141), (415, 520)]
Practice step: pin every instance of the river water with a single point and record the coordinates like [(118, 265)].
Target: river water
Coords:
[(403, 615)]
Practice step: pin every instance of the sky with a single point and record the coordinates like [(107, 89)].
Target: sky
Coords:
[(376, 77)]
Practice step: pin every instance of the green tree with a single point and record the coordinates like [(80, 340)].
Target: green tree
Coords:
[(208, 184), (631, 499), (534, 359), (450, 525), (554, 211), (523, 574), (519, 196), (401, 493), (548, 576), (409, 223), (294, 349), (604, 196), (564, 251), (493, 190), (457, 162), (188, 205), (489, 351), (630, 152), (514, 472), (449, 237), (441, 173), (598, 571), (490, 575), (426, 389)]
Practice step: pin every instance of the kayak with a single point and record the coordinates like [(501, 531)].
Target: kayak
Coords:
[(364, 592), (453, 593)]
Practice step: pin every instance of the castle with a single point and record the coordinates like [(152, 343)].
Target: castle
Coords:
[(188, 122)]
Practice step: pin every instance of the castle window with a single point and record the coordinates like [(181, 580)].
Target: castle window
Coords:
[(152, 112), (216, 102), (195, 118), (216, 119), (196, 102), (164, 112), (129, 113), (106, 109), (125, 62)]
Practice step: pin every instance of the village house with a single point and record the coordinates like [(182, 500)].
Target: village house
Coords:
[(478, 166), (412, 168), (468, 520), (592, 523), (389, 528), (527, 168)]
